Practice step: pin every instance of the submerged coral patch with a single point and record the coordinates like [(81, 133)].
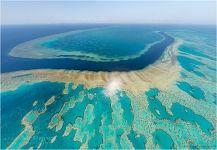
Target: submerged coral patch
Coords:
[(121, 41), (126, 105), (95, 51), (181, 112), (138, 140), (190, 64), (162, 139), (193, 91), (125, 101), (22, 99), (194, 51), (156, 106)]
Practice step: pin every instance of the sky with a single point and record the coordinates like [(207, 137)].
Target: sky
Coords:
[(144, 12)]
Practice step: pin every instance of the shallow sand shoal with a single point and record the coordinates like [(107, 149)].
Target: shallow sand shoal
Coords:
[(32, 49), (160, 74)]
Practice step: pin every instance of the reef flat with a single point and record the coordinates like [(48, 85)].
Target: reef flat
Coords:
[(106, 44), (169, 104), (149, 49), (159, 74)]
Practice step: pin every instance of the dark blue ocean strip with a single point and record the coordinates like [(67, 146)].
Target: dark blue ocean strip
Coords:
[(153, 54)]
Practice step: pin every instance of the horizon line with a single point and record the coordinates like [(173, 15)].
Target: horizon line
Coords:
[(83, 23)]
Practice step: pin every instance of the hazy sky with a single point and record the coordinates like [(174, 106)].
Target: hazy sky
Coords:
[(49, 12)]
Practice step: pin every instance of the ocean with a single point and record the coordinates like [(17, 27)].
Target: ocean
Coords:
[(148, 108)]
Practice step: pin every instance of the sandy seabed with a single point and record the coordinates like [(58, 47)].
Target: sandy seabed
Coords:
[(160, 74), (163, 75)]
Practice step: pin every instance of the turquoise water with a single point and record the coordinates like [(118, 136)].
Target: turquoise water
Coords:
[(156, 106), (180, 116), (190, 65), (111, 42), (96, 120), (15, 104), (162, 139), (194, 91), (137, 140), (127, 108), (192, 50), (30, 55), (85, 114), (187, 114), (179, 112)]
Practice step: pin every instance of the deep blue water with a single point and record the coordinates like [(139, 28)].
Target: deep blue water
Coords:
[(16, 103), (13, 35)]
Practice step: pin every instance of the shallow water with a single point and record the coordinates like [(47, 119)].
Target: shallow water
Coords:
[(182, 112), (111, 42), (153, 53), (95, 119), (179, 116), (15, 104), (194, 91), (163, 139)]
